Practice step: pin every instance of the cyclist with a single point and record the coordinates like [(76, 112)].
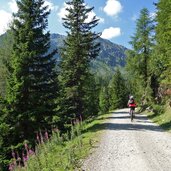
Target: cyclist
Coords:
[(131, 104)]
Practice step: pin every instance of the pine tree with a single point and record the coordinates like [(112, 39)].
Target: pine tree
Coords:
[(118, 91), (32, 84), (91, 99), (80, 49), (104, 102), (163, 38), (138, 58)]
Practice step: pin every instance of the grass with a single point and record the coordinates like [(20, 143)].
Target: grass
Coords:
[(162, 116), (60, 155)]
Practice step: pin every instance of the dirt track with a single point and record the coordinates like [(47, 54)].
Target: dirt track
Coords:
[(126, 146)]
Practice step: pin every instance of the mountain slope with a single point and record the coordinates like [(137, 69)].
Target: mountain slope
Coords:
[(110, 53), (110, 56)]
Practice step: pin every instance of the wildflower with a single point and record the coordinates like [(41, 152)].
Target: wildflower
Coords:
[(11, 166), (24, 158), (46, 135), (41, 137), (37, 137), (18, 159), (13, 154), (26, 147), (31, 152), (14, 159)]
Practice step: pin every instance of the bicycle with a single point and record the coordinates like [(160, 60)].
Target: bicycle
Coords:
[(132, 108), (132, 113)]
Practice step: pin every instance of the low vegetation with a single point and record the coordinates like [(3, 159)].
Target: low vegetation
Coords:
[(162, 116), (61, 152)]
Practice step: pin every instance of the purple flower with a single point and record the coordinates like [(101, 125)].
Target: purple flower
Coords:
[(37, 137), (18, 159), (26, 146), (24, 157), (11, 167), (46, 135), (41, 137), (13, 154), (31, 152)]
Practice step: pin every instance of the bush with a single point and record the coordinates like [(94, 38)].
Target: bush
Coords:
[(158, 109)]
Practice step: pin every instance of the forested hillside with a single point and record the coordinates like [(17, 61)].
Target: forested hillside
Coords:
[(110, 53), (110, 56)]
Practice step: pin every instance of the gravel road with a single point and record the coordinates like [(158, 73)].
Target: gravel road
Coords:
[(130, 146)]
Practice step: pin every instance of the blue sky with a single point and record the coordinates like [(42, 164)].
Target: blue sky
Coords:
[(117, 17)]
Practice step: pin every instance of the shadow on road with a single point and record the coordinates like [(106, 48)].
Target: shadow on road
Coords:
[(124, 126), (119, 112), (118, 117), (140, 123)]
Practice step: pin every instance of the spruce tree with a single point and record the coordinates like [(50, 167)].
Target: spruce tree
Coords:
[(91, 99), (118, 91), (80, 48), (32, 83), (139, 57), (163, 39), (104, 100)]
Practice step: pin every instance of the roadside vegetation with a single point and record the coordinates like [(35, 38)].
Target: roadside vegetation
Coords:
[(161, 114), (62, 152)]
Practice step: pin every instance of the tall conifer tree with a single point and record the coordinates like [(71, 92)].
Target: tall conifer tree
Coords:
[(118, 91), (163, 38), (80, 49), (138, 58), (104, 100), (32, 84)]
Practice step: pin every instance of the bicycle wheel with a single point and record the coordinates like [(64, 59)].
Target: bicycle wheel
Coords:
[(132, 115)]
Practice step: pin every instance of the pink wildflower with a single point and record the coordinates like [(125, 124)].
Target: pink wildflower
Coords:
[(18, 159), (11, 166), (46, 135), (41, 137), (24, 158), (13, 154), (37, 137), (31, 152), (26, 147)]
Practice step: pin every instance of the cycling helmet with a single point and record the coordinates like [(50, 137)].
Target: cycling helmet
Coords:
[(131, 97)]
